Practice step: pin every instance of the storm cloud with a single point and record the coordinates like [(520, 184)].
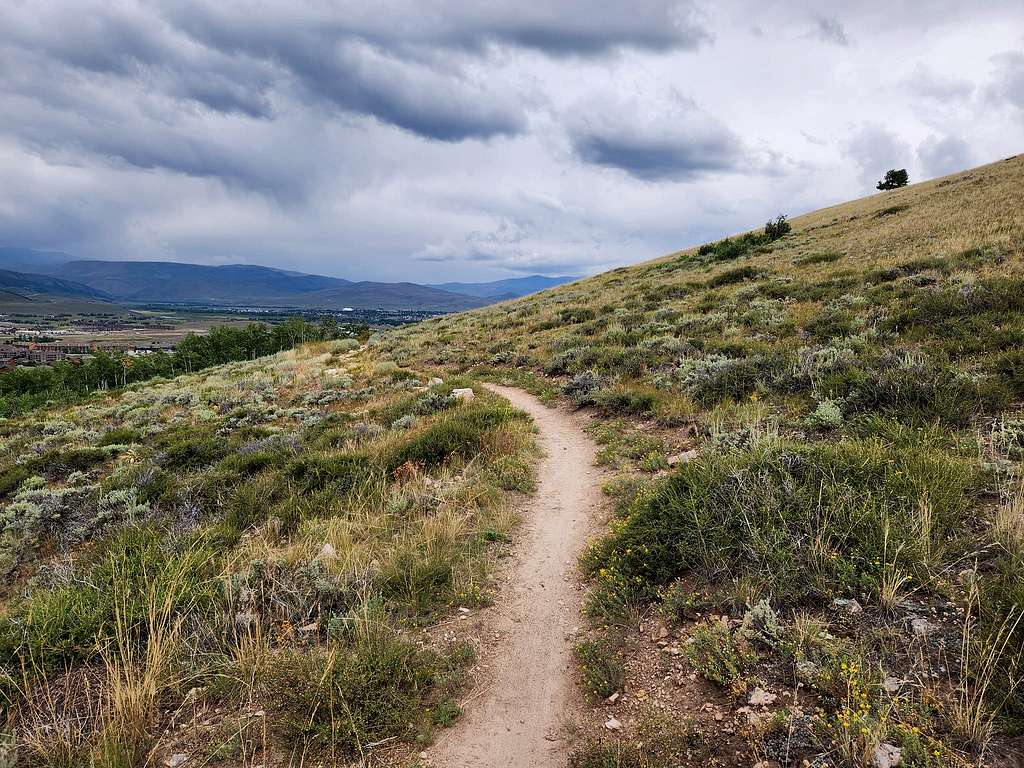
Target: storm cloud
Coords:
[(441, 140)]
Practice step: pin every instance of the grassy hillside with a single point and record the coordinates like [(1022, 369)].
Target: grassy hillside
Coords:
[(842, 524), (235, 566)]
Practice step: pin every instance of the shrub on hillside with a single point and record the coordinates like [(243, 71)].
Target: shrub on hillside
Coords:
[(894, 179), (779, 228), (732, 276), (807, 520), (581, 388)]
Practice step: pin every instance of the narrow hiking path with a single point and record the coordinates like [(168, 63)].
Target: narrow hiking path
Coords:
[(519, 719)]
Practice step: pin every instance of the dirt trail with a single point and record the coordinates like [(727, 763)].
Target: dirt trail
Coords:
[(518, 722)]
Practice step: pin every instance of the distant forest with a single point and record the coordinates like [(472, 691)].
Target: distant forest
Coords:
[(25, 388)]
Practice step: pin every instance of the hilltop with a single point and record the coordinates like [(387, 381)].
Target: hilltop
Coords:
[(819, 542)]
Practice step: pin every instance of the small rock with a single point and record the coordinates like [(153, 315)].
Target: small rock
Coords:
[(806, 671), (309, 627), (762, 698), (463, 393), (887, 755), (892, 685), (434, 381), (175, 760), (613, 725), (682, 458), (967, 576), (659, 632), (613, 698), (850, 606), (719, 717), (328, 552), (920, 627)]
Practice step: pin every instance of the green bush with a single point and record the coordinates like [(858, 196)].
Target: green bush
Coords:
[(12, 477), (777, 229), (627, 399), (732, 276), (121, 436), (820, 257), (72, 460), (717, 656), (603, 672), (130, 573), (342, 472), (514, 474), (190, 447), (808, 521), (915, 389)]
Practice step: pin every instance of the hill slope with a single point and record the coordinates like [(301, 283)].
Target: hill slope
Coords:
[(512, 287), (31, 260), (818, 439), (27, 285)]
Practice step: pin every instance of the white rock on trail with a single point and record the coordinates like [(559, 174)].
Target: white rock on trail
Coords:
[(613, 724), (463, 393)]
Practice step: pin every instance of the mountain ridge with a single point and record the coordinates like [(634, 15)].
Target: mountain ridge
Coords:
[(172, 282)]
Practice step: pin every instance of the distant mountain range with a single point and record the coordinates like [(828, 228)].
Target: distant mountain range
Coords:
[(149, 282)]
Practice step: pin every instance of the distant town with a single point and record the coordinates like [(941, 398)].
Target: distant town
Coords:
[(48, 340)]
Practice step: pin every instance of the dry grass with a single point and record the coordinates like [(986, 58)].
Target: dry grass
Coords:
[(972, 712), (1008, 523)]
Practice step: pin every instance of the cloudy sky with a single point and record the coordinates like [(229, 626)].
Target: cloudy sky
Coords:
[(429, 140)]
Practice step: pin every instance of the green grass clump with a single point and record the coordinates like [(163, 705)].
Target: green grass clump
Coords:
[(360, 691), (456, 434), (129, 574)]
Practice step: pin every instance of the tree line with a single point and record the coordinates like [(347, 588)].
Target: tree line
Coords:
[(25, 388)]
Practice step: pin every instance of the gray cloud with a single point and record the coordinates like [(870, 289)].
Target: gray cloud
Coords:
[(364, 61), (1007, 86), (927, 84), (653, 141), (830, 30), (941, 156), (579, 27)]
